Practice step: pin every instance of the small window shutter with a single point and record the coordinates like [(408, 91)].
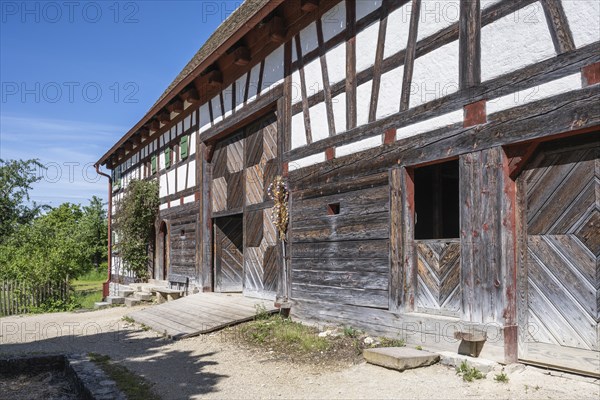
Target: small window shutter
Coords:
[(184, 146), (153, 164), (167, 157)]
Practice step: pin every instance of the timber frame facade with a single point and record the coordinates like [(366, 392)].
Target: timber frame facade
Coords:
[(442, 158)]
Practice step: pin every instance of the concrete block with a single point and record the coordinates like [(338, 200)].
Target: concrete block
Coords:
[(99, 305), (131, 302), (454, 360), (115, 300), (143, 296), (126, 292), (400, 358)]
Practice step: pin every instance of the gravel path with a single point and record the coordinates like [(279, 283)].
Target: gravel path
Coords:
[(211, 367)]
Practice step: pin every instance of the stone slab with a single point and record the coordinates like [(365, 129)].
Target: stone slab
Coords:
[(115, 300), (101, 304), (143, 296), (455, 360), (131, 302), (400, 358), (126, 293)]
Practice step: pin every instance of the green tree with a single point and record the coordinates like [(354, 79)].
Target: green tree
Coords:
[(135, 215), (94, 230), (48, 249), (16, 178)]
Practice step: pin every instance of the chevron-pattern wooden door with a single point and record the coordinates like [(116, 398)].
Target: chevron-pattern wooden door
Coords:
[(229, 254), (560, 271)]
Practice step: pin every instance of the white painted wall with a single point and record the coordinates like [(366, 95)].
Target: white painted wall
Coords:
[(298, 131), (430, 124), (318, 122), (521, 97), (204, 114), (306, 161), (215, 103), (228, 100), (191, 176), (336, 63), (240, 90), (389, 92), (253, 87), (435, 75), (356, 147), (313, 77), (515, 41), (296, 88), (363, 100), (334, 21), (339, 112), (436, 15), (584, 20), (366, 46), (273, 73), (181, 177), (366, 7), (396, 35), (171, 182)]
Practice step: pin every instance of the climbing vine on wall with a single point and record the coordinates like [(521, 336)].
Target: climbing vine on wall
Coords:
[(278, 192), (134, 219)]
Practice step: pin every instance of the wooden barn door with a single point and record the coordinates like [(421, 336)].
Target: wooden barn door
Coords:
[(229, 253), (559, 272)]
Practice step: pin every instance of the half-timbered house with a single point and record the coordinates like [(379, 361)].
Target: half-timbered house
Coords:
[(442, 160)]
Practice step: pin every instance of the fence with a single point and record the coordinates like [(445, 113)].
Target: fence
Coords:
[(22, 297)]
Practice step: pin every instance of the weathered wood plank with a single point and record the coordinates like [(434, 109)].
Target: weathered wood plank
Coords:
[(470, 44)]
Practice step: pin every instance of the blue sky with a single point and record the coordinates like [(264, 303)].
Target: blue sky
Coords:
[(76, 75)]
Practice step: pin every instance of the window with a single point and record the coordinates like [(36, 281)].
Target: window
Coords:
[(437, 205), (167, 157), (333, 209), (153, 164), (184, 146)]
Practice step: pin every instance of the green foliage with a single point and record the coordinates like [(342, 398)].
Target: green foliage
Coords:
[(261, 312), (351, 332), (469, 373), (387, 342), (283, 333), (16, 178), (93, 229), (135, 216), (501, 377)]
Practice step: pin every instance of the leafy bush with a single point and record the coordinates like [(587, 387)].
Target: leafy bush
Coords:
[(134, 218)]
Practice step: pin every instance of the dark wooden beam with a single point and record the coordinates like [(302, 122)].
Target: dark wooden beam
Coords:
[(469, 43), (144, 134), (559, 26), (190, 95), (277, 29), (154, 125), (214, 78), (175, 107), (410, 55), (242, 56), (351, 64), (164, 117), (309, 5)]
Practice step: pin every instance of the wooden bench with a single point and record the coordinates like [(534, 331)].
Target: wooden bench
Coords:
[(179, 282), (165, 294)]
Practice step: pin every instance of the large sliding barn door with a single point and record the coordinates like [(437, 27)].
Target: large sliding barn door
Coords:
[(229, 254), (559, 274)]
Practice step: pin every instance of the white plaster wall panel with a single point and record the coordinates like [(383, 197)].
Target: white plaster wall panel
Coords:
[(339, 112), (549, 89), (164, 206), (515, 41), (240, 90), (163, 186), (356, 147), (178, 131), (187, 123), (204, 114), (435, 75), (228, 100), (171, 182), (363, 101), (336, 63), (308, 38), (181, 177), (191, 175), (294, 52), (161, 140), (389, 92), (584, 20), (366, 7), (318, 122), (296, 88), (215, 103), (161, 160), (334, 21), (189, 199), (396, 36), (436, 15), (306, 161), (253, 86), (430, 124), (366, 46), (298, 131), (193, 118), (313, 77), (192, 144), (273, 74)]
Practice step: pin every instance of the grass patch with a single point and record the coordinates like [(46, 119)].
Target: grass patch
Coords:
[(469, 374), (387, 342), (283, 333), (501, 377), (135, 387), (88, 289), (351, 332)]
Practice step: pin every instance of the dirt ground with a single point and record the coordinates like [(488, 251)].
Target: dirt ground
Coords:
[(212, 367)]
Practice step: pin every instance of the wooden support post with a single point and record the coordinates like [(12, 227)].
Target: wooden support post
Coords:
[(469, 43)]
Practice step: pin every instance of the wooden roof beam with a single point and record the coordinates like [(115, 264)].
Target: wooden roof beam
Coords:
[(277, 29), (175, 106), (242, 56), (164, 117), (190, 95), (309, 5), (214, 77)]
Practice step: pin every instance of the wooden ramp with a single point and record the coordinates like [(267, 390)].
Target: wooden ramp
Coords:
[(200, 313)]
